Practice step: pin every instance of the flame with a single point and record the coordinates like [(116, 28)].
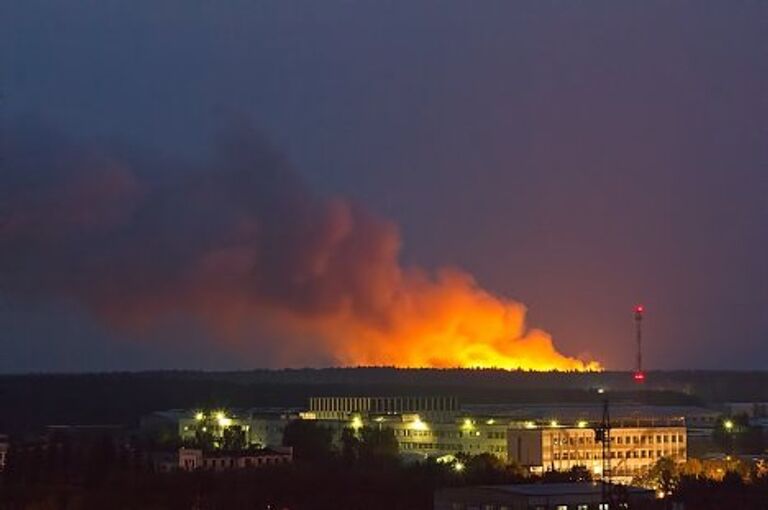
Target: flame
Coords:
[(447, 322)]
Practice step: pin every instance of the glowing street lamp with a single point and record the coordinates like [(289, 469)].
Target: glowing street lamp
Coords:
[(199, 416), (728, 424), (458, 467)]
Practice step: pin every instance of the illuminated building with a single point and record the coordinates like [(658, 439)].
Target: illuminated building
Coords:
[(424, 426), (539, 437), (633, 449), (192, 459), (266, 429), (417, 437), (217, 428)]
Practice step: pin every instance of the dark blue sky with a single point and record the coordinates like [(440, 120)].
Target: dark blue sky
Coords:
[(577, 156)]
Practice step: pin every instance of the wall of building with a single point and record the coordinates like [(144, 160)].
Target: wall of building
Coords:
[(633, 450), (340, 408)]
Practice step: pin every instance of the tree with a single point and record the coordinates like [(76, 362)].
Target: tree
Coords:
[(233, 438), (663, 476), (369, 445), (378, 444), (350, 445), (487, 468), (309, 440)]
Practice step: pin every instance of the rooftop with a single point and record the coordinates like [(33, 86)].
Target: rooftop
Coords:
[(555, 489)]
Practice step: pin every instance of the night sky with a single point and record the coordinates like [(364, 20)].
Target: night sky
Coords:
[(578, 157)]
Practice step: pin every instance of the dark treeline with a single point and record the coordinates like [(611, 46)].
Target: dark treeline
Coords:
[(31, 402)]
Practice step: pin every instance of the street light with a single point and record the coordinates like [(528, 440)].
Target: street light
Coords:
[(728, 424)]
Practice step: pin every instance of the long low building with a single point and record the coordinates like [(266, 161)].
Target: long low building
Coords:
[(339, 408), (193, 459), (554, 496)]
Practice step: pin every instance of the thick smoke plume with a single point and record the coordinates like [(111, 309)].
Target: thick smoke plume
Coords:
[(240, 248)]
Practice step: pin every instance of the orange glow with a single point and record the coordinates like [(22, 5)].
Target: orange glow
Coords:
[(442, 322)]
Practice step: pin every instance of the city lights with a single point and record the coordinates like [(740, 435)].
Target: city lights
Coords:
[(530, 425), (581, 424), (458, 467), (199, 416), (553, 423), (417, 424), (728, 424)]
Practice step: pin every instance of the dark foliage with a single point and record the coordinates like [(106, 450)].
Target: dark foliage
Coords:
[(310, 441)]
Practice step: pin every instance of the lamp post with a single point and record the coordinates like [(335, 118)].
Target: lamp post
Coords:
[(728, 425)]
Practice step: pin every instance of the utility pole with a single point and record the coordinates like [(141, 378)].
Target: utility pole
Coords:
[(603, 436), (639, 374)]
